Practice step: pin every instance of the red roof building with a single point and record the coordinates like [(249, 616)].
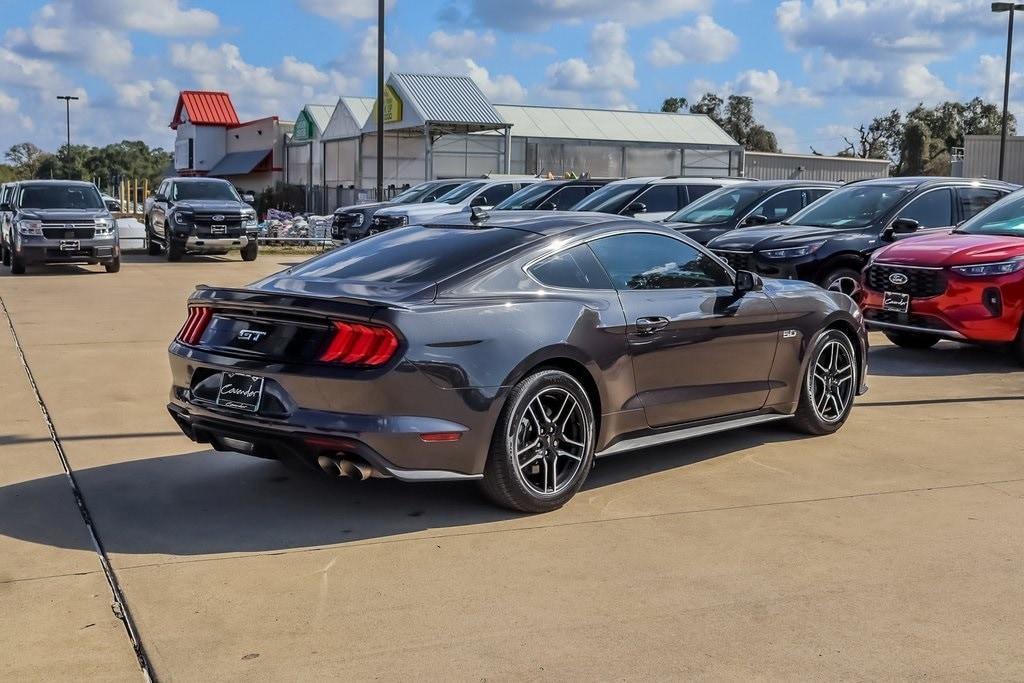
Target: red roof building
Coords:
[(204, 108)]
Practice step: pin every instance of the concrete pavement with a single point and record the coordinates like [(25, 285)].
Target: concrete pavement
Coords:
[(891, 549)]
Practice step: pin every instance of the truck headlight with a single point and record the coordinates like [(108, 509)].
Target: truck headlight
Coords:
[(791, 252), (249, 219), (990, 269), (105, 227), (181, 218), (30, 227)]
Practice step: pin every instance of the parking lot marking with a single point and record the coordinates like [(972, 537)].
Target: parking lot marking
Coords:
[(119, 604)]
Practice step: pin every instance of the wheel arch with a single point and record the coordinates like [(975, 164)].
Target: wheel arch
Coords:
[(844, 259)]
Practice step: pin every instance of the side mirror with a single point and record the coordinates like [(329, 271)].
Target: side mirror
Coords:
[(747, 282), (6, 206), (548, 206), (635, 208), (159, 197), (249, 198), (905, 226), (480, 200), (756, 219)]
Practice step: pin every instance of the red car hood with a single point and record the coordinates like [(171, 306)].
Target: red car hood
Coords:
[(951, 249)]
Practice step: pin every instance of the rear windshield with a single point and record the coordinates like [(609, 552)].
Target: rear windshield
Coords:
[(224, 191), (60, 197), (413, 255)]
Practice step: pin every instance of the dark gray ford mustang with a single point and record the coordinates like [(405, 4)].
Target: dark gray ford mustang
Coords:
[(511, 348)]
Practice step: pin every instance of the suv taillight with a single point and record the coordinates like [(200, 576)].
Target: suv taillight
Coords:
[(360, 344), (195, 324)]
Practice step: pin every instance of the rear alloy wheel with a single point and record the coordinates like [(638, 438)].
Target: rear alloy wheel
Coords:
[(912, 340), (829, 386), (843, 280), (543, 447)]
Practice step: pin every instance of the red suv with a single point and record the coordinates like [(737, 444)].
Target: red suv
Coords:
[(966, 285)]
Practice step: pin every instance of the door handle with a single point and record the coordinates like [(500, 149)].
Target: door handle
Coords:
[(651, 324)]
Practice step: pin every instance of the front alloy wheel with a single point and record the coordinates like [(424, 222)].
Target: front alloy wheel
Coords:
[(829, 386), (844, 280), (544, 445)]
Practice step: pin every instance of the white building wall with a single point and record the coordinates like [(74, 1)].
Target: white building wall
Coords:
[(981, 157), (765, 166)]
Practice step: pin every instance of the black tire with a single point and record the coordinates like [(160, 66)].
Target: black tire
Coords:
[(175, 249), (1018, 345), (113, 266), (566, 444), (816, 413), (17, 265), (912, 340), (843, 279), (6, 254), (153, 247), (250, 251)]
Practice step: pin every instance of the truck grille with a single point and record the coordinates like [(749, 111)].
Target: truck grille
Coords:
[(739, 260), (69, 231), (920, 282)]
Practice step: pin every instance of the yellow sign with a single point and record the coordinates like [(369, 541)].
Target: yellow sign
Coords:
[(392, 106)]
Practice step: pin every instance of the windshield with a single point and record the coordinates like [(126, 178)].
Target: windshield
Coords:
[(610, 198), (60, 197), (416, 193), (530, 197), (719, 206), (222, 191), (1002, 218), (459, 193), (854, 206)]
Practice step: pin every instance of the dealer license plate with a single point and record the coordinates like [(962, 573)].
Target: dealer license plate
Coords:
[(219, 229), (896, 301), (69, 245), (240, 392)]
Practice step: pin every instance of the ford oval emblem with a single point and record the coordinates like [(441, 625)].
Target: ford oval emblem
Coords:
[(898, 279), (218, 218)]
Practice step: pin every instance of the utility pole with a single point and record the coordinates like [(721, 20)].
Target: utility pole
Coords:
[(1012, 8), (380, 100), (67, 105)]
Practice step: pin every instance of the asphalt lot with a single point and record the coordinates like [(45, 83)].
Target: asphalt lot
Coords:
[(893, 549)]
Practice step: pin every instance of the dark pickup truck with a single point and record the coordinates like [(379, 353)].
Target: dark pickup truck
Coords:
[(56, 221), (199, 216)]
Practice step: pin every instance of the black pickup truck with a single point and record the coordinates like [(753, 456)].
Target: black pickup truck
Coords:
[(199, 216)]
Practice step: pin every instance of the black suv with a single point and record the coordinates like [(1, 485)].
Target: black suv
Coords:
[(552, 195), (57, 221), (202, 216), (356, 222), (762, 202), (830, 241)]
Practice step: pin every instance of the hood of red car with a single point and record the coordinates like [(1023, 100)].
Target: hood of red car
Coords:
[(951, 249)]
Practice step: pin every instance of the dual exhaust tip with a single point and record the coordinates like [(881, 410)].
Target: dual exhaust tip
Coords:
[(337, 466)]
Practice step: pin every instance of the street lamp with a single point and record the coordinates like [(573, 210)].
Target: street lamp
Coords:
[(380, 101), (1012, 9), (67, 105)]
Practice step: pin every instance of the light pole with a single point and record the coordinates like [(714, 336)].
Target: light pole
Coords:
[(1012, 9), (67, 105), (380, 100)]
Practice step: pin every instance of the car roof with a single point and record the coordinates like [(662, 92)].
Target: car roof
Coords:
[(187, 179), (679, 180), (915, 182), (773, 184), (539, 222), (81, 183)]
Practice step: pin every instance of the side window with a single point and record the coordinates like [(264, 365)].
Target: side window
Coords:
[(932, 209), (438, 191), (498, 193), (570, 196), (973, 200), (575, 268), (695, 192), (660, 198), (781, 206), (648, 261), (816, 194)]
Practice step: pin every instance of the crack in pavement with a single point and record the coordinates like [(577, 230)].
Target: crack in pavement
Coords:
[(119, 605)]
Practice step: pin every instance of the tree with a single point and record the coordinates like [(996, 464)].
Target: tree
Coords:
[(25, 158), (734, 115), (915, 152), (673, 105)]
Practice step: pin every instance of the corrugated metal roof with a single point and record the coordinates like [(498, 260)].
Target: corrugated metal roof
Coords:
[(613, 125), (348, 118), (240, 163), (441, 98), (205, 108), (360, 107), (320, 114)]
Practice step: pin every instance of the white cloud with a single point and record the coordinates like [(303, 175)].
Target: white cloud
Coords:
[(344, 11), (161, 17), (458, 53), (16, 69), (540, 15), (704, 42), (767, 88), (608, 71), (8, 105), (462, 43)]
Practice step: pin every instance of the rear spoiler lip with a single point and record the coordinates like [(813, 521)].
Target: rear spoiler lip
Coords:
[(305, 303)]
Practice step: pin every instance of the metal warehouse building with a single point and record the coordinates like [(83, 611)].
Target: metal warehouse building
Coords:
[(981, 158)]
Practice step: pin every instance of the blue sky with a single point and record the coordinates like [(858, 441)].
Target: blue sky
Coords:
[(816, 68)]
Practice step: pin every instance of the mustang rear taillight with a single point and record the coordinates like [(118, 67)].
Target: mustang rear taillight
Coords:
[(195, 324), (360, 344)]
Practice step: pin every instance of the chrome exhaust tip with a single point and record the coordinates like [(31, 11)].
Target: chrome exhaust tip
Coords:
[(349, 469), (330, 466)]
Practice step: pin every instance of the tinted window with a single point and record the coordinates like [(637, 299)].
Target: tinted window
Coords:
[(423, 192), (60, 197), (568, 197), (201, 190), (974, 200), (575, 268), (781, 206), (1003, 218), (460, 193), (496, 194), (816, 194), (720, 206), (932, 209), (853, 206), (660, 199), (530, 197), (646, 261), (413, 254), (611, 198), (695, 192)]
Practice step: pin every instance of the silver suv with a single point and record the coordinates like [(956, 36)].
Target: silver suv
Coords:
[(58, 221)]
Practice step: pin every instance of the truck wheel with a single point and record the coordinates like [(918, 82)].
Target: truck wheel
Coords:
[(17, 265), (113, 266), (1018, 346), (6, 255), (152, 247), (175, 249), (250, 250)]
